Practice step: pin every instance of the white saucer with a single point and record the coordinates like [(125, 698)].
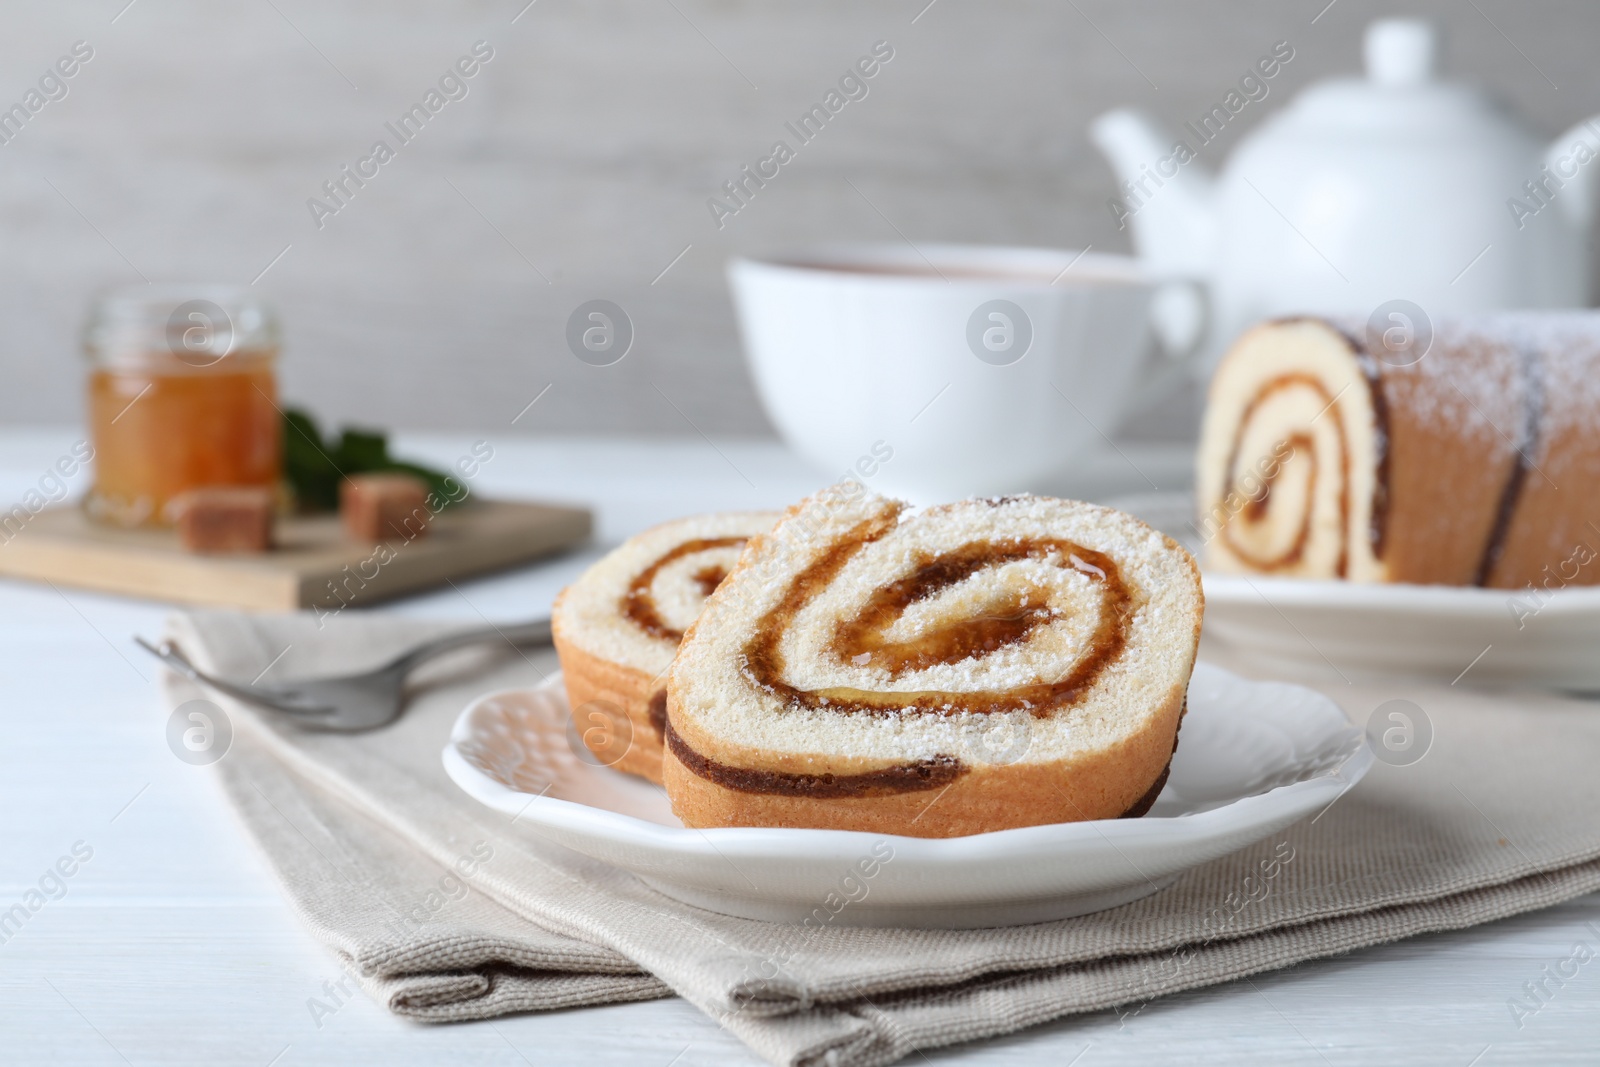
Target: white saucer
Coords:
[(1253, 757), (1348, 630), (1443, 633)]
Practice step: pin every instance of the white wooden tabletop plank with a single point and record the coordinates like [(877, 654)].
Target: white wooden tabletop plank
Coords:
[(173, 945)]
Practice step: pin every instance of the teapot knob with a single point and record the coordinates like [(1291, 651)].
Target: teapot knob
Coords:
[(1399, 52)]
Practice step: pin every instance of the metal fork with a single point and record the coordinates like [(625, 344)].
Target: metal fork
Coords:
[(350, 702)]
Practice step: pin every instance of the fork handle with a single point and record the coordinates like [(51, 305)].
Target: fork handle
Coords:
[(533, 632)]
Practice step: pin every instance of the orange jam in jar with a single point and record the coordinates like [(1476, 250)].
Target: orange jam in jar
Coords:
[(182, 395)]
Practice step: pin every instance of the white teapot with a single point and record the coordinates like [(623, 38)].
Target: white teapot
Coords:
[(1363, 191)]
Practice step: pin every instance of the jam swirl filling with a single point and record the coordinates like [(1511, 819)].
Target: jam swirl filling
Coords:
[(865, 639), (639, 602), (1259, 503)]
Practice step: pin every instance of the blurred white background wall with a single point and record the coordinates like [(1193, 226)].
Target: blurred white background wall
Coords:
[(579, 164)]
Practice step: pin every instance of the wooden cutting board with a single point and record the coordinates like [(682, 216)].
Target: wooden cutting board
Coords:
[(313, 565)]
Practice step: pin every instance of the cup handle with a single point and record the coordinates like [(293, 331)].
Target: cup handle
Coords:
[(1180, 315)]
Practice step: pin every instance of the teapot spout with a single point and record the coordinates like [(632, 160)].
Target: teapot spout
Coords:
[(1573, 158), (1167, 198)]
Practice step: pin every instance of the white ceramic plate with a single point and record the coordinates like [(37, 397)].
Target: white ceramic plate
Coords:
[(1252, 758), (1350, 630)]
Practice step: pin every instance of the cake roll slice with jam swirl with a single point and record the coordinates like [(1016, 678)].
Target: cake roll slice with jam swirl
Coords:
[(971, 667), (1466, 460), (618, 626)]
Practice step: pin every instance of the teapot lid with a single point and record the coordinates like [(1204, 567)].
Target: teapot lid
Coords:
[(1399, 52), (1400, 92)]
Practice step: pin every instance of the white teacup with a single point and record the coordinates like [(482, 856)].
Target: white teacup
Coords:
[(946, 371)]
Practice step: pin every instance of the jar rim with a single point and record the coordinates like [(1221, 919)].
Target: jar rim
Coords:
[(196, 323)]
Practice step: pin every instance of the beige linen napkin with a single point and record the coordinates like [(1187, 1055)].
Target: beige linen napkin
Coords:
[(447, 910)]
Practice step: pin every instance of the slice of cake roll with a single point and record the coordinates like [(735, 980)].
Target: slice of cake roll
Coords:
[(971, 667), (618, 626), (1470, 462)]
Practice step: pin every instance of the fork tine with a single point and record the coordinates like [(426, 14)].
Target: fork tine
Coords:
[(276, 699)]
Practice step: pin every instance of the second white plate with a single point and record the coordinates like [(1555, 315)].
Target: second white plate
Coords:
[(1331, 630), (1252, 758)]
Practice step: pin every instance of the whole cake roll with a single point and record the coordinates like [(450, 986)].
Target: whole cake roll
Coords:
[(1472, 460), (618, 626), (970, 667)]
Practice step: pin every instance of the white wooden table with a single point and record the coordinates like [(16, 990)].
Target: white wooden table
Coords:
[(173, 945)]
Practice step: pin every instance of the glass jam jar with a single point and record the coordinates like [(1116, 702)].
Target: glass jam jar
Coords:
[(182, 395)]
